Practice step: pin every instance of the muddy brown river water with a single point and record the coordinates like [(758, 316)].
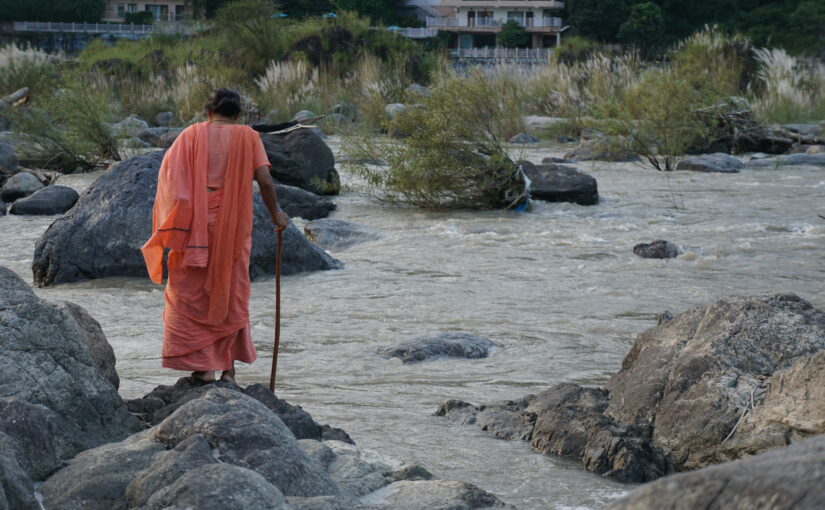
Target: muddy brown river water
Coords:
[(559, 288)]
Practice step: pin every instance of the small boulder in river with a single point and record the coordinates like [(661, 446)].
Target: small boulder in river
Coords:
[(789, 160), (20, 185), (337, 235), (52, 199), (558, 183), (524, 138), (297, 202), (300, 158), (659, 249), (716, 163), (789, 478), (716, 383), (453, 344), (101, 236)]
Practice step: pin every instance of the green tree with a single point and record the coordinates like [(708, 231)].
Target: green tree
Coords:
[(513, 35), (644, 27), (385, 11), (807, 24), (597, 19), (52, 10)]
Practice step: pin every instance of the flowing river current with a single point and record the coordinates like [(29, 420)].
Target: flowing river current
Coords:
[(558, 288)]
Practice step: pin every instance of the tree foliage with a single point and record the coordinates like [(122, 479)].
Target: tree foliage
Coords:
[(644, 27), (52, 10), (513, 35)]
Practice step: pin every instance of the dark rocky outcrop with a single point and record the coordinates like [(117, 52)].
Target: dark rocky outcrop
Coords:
[(736, 378), (659, 249), (300, 158), (52, 199), (717, 163), (20, 185), (161, 402), (433, 494), (553, 182), (56, 356), (791, 478), (817, 159), (300, 203), (524, 138), (452, 344), (8, 161), (156, 136), (102, 235), (338, 235)]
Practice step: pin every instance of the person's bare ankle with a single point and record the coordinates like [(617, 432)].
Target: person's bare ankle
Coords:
[(229, 376), (204, 375)]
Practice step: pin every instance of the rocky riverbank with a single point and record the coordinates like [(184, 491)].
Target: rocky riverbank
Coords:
[(190, 445), (741, 376)]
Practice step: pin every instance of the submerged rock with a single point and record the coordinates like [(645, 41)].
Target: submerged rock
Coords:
[(702, 378), (338, 235), (432, 494), (297, 202), (20, 185), (659, 249), (449, 344), (718, 163), (789, 478), (52, 199), (102, 235), (557, 183), (300, 158), (57, 356)]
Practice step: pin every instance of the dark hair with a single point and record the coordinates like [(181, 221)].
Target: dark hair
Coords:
[(224, 102)]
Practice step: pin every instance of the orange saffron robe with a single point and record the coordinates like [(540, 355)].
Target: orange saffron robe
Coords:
[(209, 235)]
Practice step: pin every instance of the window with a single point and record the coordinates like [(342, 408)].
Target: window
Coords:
[(179, 12), (131, 8), (159, 12), (516, 16), (121, 10)]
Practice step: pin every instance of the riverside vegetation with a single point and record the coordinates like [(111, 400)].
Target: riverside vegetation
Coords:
[(342, 67)]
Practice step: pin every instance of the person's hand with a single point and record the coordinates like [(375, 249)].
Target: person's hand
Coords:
[(281, 220)]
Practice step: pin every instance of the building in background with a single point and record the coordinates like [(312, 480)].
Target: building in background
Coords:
[(162, 10), (475, 23)]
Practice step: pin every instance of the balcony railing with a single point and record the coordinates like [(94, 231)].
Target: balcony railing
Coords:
[(104, 28), (533, 54), (549, 22), (415, 33)]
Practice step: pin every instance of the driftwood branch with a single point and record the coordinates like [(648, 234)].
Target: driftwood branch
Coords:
[(12, 99)]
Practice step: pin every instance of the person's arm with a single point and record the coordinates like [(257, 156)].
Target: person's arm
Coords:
[(267, 187)]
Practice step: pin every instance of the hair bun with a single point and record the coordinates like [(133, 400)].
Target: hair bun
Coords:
[(224, 102)]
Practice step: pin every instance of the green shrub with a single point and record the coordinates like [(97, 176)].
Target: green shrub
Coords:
[(139, 18), (513, 35)]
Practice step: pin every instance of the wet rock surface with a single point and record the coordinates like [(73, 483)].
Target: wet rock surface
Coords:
[(735, 378), (301, 158), (783, 479), (52, 199), (659, 249), (716, 163), (553, 182), (816, 159), (449, 344), (300, 203), (524, 138), (338, 235), (101, 236)]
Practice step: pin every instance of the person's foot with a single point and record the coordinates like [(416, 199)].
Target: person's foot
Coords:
[(206, 376), (229, 376)]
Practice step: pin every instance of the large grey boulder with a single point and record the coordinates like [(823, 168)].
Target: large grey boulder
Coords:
[(453, 344), (790, 478), (338, 235), (16, 486), (128, 127), (300, 158), (156, 136), (432, 495), (297, 202), (102, 235), (164, 400), (50, 200), (739, 377), (223, 439), (165, 119), (20, 185), (716, 163), (524, 138), (558, 183), (56, 356)]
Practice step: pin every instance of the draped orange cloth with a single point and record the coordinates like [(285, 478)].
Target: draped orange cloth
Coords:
[(209, 235)]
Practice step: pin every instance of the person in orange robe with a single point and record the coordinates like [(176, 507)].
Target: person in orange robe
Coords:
[(203, 216)]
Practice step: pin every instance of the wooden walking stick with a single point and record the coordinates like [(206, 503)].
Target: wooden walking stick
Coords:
[(278, 251)]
